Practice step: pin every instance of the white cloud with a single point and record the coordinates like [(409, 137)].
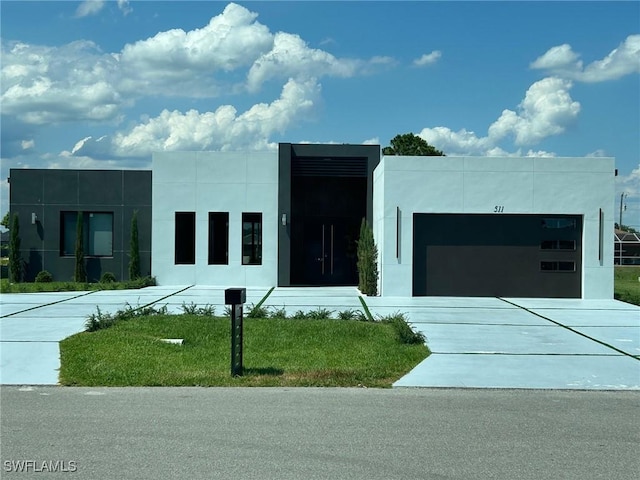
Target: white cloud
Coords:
[(229, 41), (597, 153), (630, 184), (291, 57), (89, 7), (564, 62), (77, 81), (546, 110), (462, 142), (124, 7), (27, 144), (558, 58), (222, 129), (428, 59), (74, 82), (372, 141)]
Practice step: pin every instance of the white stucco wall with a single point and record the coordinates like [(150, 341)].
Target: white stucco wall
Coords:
[(204, 182), (575, 186)]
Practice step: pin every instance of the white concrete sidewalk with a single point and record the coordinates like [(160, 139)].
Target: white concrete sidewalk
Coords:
[(476, 342)]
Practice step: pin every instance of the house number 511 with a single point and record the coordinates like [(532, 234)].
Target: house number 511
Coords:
[(498, 209)]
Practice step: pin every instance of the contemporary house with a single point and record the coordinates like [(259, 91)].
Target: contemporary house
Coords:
[(445, 226), (48, 203)]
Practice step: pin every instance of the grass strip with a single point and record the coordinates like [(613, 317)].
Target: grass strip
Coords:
[(366, 309), (277, 352), (265, 297)]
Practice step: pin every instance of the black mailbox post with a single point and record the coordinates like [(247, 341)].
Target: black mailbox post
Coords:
[(236, 298)]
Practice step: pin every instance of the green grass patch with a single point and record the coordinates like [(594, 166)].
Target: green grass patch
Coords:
[(36, 287), (277, 352), (627, 286)]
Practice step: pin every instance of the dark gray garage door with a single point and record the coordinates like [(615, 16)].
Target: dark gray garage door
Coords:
[(501, 255)]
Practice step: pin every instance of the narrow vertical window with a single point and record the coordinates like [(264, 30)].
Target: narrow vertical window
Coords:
[(100, 233), (218, 238), (185, 238), (68, 233), (252, 239), (600, 234)]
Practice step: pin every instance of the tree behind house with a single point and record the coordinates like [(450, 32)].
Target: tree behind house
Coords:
[(15, 260), (134, 249), (411, 145), (80, 272)]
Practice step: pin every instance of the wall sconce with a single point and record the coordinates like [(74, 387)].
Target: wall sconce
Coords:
[(284, 219), (34, 218)]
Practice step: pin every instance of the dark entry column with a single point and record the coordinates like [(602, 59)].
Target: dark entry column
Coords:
[(324, 193)]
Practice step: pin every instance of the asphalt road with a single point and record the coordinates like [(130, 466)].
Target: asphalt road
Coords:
[(200, 433)]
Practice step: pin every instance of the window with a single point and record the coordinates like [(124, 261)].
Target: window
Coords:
[(97, 233), (218, 238), (252, 239), (185, 245), (559, 223), (547, 266), (558, 245)]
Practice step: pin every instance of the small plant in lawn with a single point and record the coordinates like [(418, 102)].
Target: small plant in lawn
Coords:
[(347, 314), (257, 311), (278, 312), (404, 332), (193, 309), (99, 321), (299, 315), (107, 277), (227, 311), (319, 314), (44, 277)]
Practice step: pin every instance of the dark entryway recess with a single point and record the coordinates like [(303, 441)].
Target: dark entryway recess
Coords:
[(324, 193), (500, 255)]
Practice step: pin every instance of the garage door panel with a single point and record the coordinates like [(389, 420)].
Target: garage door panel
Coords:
[(496, 255)]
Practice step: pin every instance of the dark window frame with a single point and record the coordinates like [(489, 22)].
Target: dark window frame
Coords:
[(185, 238), (218, 250), (86, 233), (559, 223), (564, 245), (253, 249), (558, 266)]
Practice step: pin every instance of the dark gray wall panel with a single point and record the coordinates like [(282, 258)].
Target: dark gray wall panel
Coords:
[(60, 186), (102, 191)]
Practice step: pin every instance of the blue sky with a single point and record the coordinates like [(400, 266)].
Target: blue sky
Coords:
[(104, 84)]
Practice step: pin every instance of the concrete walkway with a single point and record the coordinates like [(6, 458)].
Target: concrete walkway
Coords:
[(476, 342)]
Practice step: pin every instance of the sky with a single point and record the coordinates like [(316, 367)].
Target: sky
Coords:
[(104, 84)]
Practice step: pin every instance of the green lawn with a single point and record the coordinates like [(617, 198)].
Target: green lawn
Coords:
[(277, 352), (627, 285), (33, 287)]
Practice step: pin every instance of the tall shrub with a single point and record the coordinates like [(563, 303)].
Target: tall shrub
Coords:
[(15, 259), (80, 273), (367, 260), (134, 249)]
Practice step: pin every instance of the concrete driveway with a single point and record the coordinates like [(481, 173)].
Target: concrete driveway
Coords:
[(476, 342)]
